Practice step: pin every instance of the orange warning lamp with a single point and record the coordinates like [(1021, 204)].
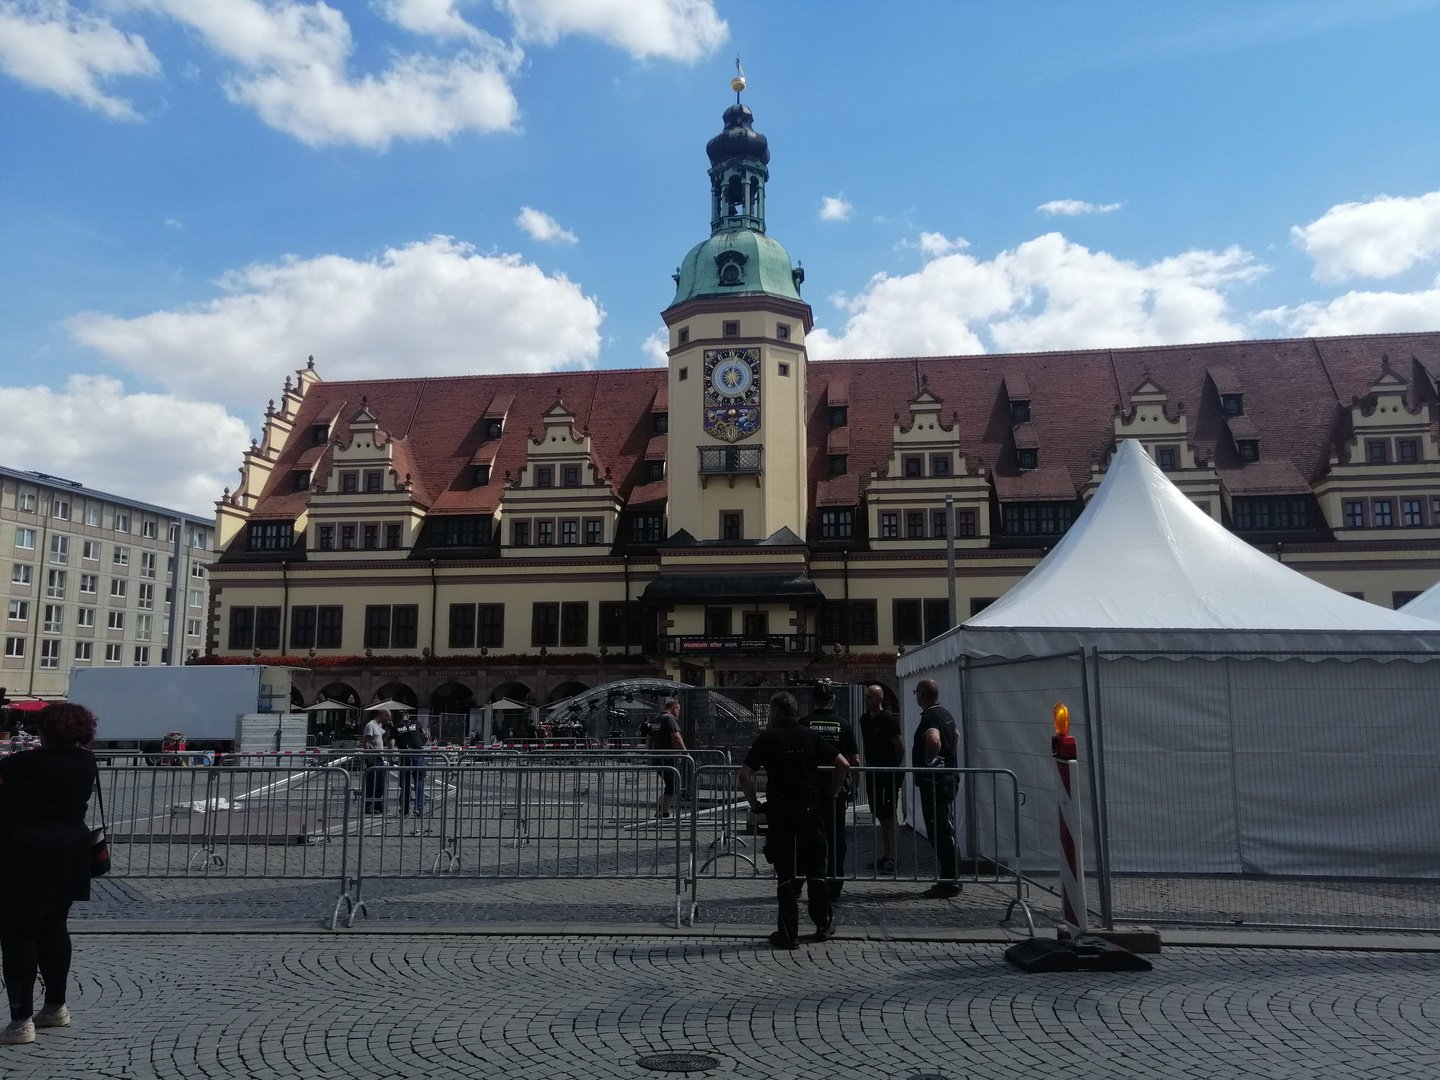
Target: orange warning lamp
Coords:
[(1062, 745)]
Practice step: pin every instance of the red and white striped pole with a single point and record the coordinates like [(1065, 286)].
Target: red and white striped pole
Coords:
[(1072, 849)]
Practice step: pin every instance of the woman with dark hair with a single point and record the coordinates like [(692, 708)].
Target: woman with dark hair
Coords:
[(44, 864)]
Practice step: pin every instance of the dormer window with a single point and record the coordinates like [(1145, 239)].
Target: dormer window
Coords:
[(655, 470), (349, 482), (1019, 412), (730, 274), (374, 481), (480, 475), (839, 416), (1029, 459), (914, 467), (1232, 404), (662, 423), (545, 476), (319, 434), (940, 465), (1166, 457), (570, 476), (1249, 450), (301, 479), (1377, 451), (494, 428), (838, 464), (1407, 451)]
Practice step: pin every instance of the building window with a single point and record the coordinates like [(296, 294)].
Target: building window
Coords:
[(939, 527), (349, 483), (545, 625), (302, 627), (1249, 451), (1383, 516), (271, 535), (520, 534), (60, 509), (145, 598), (915, 525), (965, 523), (719, 621), (142, 628), (25, 501), (377, 626), (319, 434), (115, 620), (55, 585), (1410, 513), (90, 549), (329, 624), (940, 465), (544, 533), (594, 531), (1232, 404), (85, 616), (25, 538), (326, 540), (683, 374), (120, 556), (662, 423), (347, 537), (731, 328), (1038, 519), (92, 515), (837, 524), (627, 624), (545, 476), (242, 627), (570, 532), (142, 655), (370, 537), (462, 626), (1019, 412), (937, 618), (19, 611), (908, 629), (1166, 458), (889, 525), (1400, 599), (468, 531), (1028, 459), (782, 331), (849, 622), (192, 627), (1377, 451), (374, 481), (148, 529), (839, 464), (118, 587), (14, 646), (84, 650), (575, 623), (479, 475), (122, 522), (494, 428), (839, 416), (196, 598), (394, 534), (570, 476), (54, 618), (199, 539), (783, 370), (20, 575), (112, 653), (60, 549), (914, 467), (491, 626), (405, 625), (647, 528), (1284, 512), (654, 470), (1407, 450), (147, 564)]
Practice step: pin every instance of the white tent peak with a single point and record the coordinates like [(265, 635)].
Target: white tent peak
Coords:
[(1426, 605), (1143, 556)]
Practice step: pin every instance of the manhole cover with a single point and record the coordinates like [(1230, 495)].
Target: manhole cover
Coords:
[(682, 1062)]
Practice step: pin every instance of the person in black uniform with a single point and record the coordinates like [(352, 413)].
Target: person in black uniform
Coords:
[(937, 748), (884, 748), (836, 730), (796, 790), (410, 735)]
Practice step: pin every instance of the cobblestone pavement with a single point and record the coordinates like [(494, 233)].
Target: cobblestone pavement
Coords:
[(442, 1007)]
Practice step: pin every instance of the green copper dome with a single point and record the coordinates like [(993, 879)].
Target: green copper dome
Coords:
[(739, 262)]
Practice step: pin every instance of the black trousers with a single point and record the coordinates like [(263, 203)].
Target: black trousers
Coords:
[(796, 846), (834, 813), (375, 789), (937, 804), (34, 941)]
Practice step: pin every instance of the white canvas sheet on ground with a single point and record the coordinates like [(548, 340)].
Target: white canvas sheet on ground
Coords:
[(1326, 763)]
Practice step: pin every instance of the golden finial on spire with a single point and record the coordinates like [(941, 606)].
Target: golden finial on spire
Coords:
[(738, 82)]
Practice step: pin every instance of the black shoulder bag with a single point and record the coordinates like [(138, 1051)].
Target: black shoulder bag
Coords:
[(100, 839)]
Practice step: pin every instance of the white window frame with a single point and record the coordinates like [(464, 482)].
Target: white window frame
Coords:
[(55, 585), (116, 621), (85, 616), (91, 580), (142, 655), (122, 522), (25, 500), (90, 550), (15, 647), (145, 597), (18, 611), (120, 556), (60, 550), (21, 574), (93, 515), (117, 588), (143, 626), (60, 509), (84, 650), (25, 539), (114, 653)]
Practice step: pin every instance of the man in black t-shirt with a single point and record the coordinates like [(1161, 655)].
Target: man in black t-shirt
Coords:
[(795, 792), (836, 730), (882, 746), (664, 734), (937, 749), (410, 735)]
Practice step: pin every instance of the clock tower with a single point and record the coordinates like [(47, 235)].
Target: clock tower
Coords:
[(736, 464)]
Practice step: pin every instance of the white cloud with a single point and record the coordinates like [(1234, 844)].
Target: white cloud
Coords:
[(1377, 239), (49, 45), (675, 29), (935, 244), (834, 208), (1361, 313), (1074, 207), (438, 18), (154, 447), (656, 347), (294, 57), (430, 308), (1047, 293), (542, 226)]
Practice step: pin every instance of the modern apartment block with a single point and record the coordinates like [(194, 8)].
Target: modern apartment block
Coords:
[(91, 581)]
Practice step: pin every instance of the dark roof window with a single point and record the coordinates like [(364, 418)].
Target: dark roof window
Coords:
[(1232, 404), (1029, 459), (319, 434), (1019, 412), (494, 429)]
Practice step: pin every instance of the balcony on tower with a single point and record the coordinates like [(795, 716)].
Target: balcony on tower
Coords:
[(731, 460)]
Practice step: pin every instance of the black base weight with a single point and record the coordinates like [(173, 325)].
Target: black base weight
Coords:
[(1083, 954)]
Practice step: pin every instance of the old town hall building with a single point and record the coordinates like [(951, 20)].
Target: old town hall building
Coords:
[(745, 515)]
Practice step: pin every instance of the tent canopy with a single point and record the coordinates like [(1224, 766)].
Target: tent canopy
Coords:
[(1145, 569), (1426, 605)]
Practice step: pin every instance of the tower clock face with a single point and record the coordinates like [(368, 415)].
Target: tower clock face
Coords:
[(732, 376)]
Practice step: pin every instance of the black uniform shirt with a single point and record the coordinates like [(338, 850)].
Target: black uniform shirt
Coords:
[(791, 756), (939, 718), (409, 733), (834, 728), (879, 733)]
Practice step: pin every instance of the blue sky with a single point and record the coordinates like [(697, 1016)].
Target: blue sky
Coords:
[(197, 194)]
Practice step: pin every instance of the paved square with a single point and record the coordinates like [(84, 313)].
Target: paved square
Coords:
[(448, 1006)]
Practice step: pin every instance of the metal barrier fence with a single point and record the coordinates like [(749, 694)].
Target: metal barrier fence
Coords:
[(726, 842), (523, 820)]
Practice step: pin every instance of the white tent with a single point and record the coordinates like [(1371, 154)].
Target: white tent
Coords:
[(1426, 605), (1249, 717)]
